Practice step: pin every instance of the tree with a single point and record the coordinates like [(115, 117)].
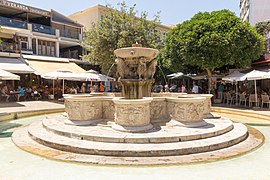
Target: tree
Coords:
[(120, 28), (212, 40), (263, 28)]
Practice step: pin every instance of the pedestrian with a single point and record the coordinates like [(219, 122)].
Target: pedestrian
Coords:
[(220, 91), (195, 88), (183, 89), (101, 87)]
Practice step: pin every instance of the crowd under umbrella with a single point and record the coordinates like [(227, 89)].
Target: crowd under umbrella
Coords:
[(252, 75), (63, 74), (5, 75), (256, 75), (179, 75), (234, 77)]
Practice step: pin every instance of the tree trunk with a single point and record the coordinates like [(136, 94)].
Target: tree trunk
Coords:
[(209, 73)]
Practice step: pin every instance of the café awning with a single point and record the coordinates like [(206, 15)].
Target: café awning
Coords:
[(15, 65), (42, 67), (5, 75)]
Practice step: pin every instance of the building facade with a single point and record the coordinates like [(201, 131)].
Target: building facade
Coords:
[(34, 41), (33, 31), (254, 11), (94, 14)]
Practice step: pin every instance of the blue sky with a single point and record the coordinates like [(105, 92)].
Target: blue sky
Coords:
[(172, 11)]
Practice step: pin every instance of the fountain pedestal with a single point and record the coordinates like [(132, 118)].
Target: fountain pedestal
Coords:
[(135, 88), (132, 115)]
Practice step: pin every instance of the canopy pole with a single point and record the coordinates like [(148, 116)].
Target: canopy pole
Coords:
[(256, 98), (236, 93), (53, 88), (63, 87)]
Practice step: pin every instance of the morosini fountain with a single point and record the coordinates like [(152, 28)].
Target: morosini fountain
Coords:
[(137, 127)]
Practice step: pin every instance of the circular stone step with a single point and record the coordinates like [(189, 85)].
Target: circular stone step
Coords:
[(102, 132), (22, 139), (41, 135)]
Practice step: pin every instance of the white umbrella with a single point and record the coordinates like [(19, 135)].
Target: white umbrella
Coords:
[(235, 76), (256, 75), (95, 76), (5, 75), (63, 74), (175, 74)]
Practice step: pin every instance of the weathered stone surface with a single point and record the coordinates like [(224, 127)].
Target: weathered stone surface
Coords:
[(186, 109), (132, 113), (82, 108), (165, 133), (108, 108), (78, 145), (158, 110)]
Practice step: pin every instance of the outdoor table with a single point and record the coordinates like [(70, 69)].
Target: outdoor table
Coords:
[(13, 95)]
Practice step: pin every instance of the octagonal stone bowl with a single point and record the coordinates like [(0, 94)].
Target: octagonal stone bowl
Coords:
[(83, 108), (132, 52), (186, 109)]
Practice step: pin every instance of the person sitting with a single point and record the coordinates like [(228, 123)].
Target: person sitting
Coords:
[(21, 93), (83, 89), (195, 88), (101, 87), (4, 93)]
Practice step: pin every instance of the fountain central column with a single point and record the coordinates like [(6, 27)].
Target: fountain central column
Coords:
[(136, 67)]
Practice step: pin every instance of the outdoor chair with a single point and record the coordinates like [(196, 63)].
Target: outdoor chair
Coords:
[(225, 100), (242, 98), (36, 96), (229, 97), (265, 100), (252, 99)]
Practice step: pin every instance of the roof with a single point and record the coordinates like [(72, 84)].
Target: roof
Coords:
[(88, 9), (104, 8), (58, 17)]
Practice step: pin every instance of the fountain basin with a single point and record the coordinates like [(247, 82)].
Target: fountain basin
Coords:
[(187, 111), (132, 115), (133, 52), (83, 110), (158, 110), (207, 103)]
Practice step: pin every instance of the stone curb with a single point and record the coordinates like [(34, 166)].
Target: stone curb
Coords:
[(22, 114)]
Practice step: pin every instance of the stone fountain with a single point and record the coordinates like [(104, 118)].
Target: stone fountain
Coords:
[(137, 126)]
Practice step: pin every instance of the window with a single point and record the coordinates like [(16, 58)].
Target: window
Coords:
[(46, 48), (24, 45)]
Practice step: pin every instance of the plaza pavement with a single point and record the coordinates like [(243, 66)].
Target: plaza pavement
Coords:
[(14, 110)]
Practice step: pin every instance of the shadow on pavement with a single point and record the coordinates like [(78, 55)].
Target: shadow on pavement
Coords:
[(10, 104)]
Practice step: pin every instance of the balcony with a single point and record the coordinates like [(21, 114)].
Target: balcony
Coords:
[(9, 47), (14, 48), (12, 23), (43, 29), (69, 34)]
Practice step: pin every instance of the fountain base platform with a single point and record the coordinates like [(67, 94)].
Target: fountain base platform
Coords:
[(163, 144)]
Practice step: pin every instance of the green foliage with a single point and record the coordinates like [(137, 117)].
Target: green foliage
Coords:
[(212, 40), (120, 28), (263, 28)]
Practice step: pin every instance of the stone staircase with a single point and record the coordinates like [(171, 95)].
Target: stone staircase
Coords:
[(164, 140)]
